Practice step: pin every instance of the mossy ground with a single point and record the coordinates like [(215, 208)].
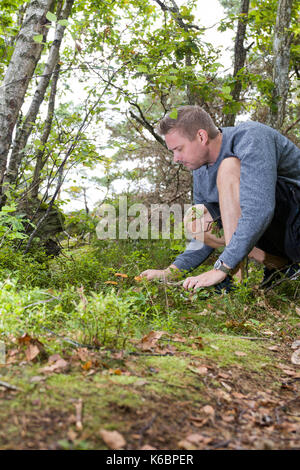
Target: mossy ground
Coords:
[(219, 376)]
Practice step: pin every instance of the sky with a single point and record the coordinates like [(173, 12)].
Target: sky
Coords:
[(208, 14)]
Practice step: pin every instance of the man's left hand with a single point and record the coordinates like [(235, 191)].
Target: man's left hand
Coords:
[(210, 278)]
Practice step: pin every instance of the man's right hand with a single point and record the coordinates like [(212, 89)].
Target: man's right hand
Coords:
[(160, 273)]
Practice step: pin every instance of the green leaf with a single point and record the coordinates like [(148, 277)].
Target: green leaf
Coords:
[(173, 114), (63, 22), (38, 38), (51, 17), (142, 68)]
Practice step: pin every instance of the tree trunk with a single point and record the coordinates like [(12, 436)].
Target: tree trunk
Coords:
[(239, 57), (40, 160), (281, 62), (19, 72), (22, 137)]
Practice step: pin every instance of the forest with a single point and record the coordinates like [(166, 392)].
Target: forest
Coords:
[(94, 356)]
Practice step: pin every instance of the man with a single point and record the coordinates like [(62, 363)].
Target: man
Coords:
[(248, 179)]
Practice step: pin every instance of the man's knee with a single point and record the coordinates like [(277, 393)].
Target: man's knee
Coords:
[(199, 224), (194, 220), (229, 171)]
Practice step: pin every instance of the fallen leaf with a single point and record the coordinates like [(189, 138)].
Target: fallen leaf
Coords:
[(202, 370), (225, 385), (121, 275), (295, 359), (298, 311), (32, 352), (54, 358), (238, 395), (35, 349), (25, 339), (113, 439), (208, 410), (186, 445), (87, 365), (177, 337), (274, 348), (111, 282), (115, 371), (59, 366), (296, 344), (240, 353), (36, 379), (72, 435), (147, 447), (150, 340), (140, 383)]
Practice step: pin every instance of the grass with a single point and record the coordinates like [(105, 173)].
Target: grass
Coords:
[(96, 327)]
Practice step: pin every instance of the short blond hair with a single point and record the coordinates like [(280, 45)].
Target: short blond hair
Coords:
[(189, 120)]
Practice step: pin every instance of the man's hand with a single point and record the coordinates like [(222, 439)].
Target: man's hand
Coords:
[(160, 273), (210, 278)]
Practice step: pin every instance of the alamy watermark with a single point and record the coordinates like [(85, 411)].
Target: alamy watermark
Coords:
[(157, 221), (2, 353)]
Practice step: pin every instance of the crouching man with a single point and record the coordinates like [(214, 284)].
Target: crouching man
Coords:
[(247, 178)]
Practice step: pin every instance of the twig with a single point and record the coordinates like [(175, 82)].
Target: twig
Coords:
[(8, 386), (78, 408), (145, 428)]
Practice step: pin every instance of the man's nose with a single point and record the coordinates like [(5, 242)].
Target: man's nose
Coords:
[(176, 157)]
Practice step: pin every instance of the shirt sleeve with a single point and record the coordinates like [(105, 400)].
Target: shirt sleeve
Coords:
[(196, 252), (256, 149)]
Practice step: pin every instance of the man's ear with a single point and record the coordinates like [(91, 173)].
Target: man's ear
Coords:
[(203, 136)]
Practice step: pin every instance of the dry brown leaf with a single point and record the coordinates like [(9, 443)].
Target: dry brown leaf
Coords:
[(113, 439), (31, 352), (177, 337), (59, 366), (147, 447), (111, 282), (186, 445), (208, 410), (115, 371), (298, 311), (201, 370), (240, 353), (25, 339), (87, 365), (238, 395), (225, 385), (295, 359), (150, 340), (120, 275), (296, 344), (274, 348), (54, 358), (36, 379)]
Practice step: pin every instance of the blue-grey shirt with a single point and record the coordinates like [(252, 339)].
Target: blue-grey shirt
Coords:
[(265, 156)]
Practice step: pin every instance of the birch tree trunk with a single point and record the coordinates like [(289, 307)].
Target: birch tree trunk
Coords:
[(19, 72), (239, 57), (281, 62), (40, 159), (22, 137)]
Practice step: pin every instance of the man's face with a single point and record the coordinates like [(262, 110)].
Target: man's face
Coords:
[(192, 154)]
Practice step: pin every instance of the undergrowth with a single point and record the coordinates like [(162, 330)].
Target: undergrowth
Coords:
[(93, 296)]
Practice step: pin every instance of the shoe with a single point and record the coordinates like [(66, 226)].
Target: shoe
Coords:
[(271, 276), (226, 285)]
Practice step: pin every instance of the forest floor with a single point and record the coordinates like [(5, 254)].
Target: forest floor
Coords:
[(211, 392), (215, 379)]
